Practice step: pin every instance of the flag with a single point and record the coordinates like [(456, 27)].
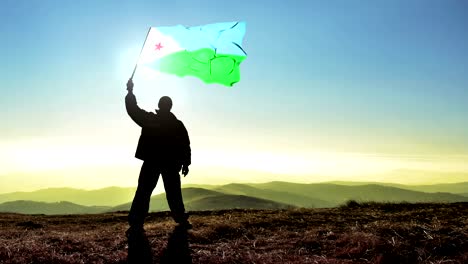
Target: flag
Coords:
[(211, 52)]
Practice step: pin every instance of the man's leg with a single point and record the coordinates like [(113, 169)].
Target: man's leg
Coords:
[(147, 180), (172, 186)]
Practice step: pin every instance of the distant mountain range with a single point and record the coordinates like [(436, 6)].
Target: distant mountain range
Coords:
[(272, 195), (31, 207), (336, 194), (110, 196), (457, 188)]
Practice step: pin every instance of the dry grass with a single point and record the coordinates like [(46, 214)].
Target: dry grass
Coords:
[(354, 233)]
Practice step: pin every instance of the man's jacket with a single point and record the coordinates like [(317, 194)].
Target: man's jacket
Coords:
[(163, 139)]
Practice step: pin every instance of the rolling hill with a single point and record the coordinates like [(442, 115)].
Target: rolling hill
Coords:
[(110, 196), (456, 188), (198, 199), (158, 202), (338, 194), (229, 201), (272, 195), (277, 196), (31, 207)]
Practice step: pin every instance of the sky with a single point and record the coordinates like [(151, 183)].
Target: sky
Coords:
[(330, 90)]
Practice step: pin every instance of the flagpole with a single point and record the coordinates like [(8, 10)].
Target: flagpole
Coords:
[(134, 69)]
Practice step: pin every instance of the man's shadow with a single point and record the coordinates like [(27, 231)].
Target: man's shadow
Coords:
[(177, 250), (139, 249)]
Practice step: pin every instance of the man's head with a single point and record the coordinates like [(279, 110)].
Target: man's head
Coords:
[(165, 104)]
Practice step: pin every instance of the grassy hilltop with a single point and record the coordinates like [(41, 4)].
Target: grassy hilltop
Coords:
[(355, 233)]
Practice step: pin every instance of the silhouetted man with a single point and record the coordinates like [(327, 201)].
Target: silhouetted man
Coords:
[(164, 147)]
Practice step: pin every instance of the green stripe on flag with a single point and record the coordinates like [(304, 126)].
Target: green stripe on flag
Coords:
[(204, 64)]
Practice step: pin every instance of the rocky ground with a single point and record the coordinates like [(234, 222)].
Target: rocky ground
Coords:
[(354, 233)]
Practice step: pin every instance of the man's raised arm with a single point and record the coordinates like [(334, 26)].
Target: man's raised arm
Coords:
[(140, 116)]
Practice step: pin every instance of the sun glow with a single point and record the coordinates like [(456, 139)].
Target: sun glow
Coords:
[(82, 164), (32, 156)]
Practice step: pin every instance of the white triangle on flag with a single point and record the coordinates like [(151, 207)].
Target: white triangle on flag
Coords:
[(157, 46)]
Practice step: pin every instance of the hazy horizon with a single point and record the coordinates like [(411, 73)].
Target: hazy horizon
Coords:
[(159, 189), (330, 91)]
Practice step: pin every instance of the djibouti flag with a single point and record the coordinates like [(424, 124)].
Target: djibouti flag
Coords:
[(211, 52)]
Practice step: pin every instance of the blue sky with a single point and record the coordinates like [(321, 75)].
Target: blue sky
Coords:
[(370, 77)]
